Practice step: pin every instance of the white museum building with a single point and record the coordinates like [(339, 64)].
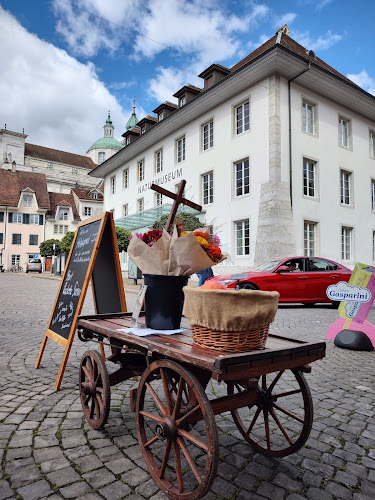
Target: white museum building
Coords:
[(279, 150)]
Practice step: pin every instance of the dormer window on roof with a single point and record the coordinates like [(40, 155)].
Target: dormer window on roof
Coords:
[(160, 116), (143, 130), (182, 101), (213, 74), (127, 141)]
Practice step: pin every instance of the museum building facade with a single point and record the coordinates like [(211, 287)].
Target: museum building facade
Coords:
[(279, 150)]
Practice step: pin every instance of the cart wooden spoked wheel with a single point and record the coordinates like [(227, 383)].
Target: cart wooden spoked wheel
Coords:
[(280, 422), (94, 389), (182, 458)]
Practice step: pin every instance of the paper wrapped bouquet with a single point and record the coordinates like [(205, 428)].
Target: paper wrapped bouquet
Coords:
[(160, 253)]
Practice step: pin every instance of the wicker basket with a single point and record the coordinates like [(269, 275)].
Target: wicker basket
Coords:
[(230, 320), (248, 340)]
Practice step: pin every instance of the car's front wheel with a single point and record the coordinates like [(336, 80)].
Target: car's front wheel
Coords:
[(248, 286)]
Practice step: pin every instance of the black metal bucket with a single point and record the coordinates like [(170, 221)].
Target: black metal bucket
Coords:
[(164, 301)]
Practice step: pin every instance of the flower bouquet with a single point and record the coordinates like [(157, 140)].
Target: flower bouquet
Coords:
[(161, 253), (166, 261)]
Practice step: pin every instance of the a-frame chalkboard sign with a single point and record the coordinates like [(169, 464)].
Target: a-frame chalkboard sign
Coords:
[(93, 255)]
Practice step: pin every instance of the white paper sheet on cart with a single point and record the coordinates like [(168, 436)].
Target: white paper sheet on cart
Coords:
[(142, 332)]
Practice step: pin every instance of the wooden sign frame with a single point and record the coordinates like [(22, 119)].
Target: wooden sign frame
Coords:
[(67, 343)]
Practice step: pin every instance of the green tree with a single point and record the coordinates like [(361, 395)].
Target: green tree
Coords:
[(66, 242), (123, 239), (190, 221), (46, 248)]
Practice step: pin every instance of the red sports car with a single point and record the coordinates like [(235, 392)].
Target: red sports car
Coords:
[(297, 279)]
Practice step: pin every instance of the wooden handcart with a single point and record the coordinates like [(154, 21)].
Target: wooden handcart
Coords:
[(265, 391)]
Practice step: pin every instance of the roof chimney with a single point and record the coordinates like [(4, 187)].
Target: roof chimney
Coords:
[(5, 164), (14, 166)]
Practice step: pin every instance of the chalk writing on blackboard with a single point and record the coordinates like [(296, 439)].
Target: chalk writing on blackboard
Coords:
[(74, 278)]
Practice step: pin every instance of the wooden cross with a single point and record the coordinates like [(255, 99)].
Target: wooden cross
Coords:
[(178, 200)]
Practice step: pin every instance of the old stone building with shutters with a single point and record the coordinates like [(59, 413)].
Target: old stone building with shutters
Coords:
[(24, 203)]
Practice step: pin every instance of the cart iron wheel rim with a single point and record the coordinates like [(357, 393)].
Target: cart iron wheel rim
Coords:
[(279, 424), (94, 389), (181, 458)]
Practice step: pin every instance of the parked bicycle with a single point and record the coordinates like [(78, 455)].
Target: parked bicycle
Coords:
[(16, 268)]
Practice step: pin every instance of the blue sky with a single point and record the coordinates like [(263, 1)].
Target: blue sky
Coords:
[(66, 62)]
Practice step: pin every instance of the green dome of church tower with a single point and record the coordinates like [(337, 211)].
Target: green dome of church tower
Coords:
[(133, 120)]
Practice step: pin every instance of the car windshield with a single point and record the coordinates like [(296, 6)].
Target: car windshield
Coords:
[(34, 261), (268, 266)]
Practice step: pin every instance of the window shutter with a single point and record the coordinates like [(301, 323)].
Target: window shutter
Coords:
[(41, 220), (26, 218), (10, 217)]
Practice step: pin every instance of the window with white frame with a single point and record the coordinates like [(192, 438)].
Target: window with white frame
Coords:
[(94, 195), (208, 135), (34, 219), (125, 210), (63, 214), (208, 188), (127, 141), (16, 260), (50, 166), (160, 116), (141, 170), (182, 101), (74, 170), (143, 130), (308, 117), (60, 229), (242, 237), (112, 184), (180, 149), (346, 243), (159, 161), (87, 211), (344, 132), (15, 217), (140, 205), (309, 178), (372, 144), (242, 118), (373, 195), (16, 239), (242, 177), (101, 158), (158, 199), (33, 239), (125, 178), (345, 187), (309, 238), (27, 200)]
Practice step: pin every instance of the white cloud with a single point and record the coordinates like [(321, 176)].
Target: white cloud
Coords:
[(363, 80), (60, 102), (284, 19), (210, 33), (323, 42), (201, 27)]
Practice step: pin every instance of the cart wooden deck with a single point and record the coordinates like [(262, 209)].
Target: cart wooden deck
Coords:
[(266, 393)]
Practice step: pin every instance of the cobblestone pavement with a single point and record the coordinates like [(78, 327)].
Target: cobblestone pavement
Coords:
[(47, 450)]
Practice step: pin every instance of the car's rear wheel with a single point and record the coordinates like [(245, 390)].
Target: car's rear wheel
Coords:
[(27, 271), (248, 286)]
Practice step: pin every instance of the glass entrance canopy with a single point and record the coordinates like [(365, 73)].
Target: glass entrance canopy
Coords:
[(148, 217)]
